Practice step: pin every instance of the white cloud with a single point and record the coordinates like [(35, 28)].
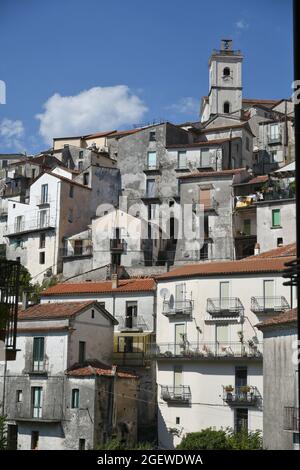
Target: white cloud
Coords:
[(187, 105), (96, 109), (242, 24), (11, 133)]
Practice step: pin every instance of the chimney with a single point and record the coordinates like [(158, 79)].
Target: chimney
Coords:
[(114, 281), (257, 249), (24, 300)]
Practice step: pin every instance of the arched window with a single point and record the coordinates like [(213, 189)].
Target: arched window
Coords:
[(226, 107), (226, 72)]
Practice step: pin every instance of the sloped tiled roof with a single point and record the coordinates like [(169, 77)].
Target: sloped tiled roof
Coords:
[(88, 371), (53, 311), (283, 319), (269, 262), (124, 285), (205, 143), (214, 174)]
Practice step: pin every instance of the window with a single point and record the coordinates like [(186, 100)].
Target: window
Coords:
[(247, 144), (177, 420), (34, 440), (151, 161), (19, 396), (226, 72), (44, 193), (66, 146), (205, 158), (205, 198), (280, 241), (36, 401), (80, 155), (43, 218), (33, 173), (276, 156), (247, 227), (75, 398), (42, 257), (81, 354), (93, 313), (81, 444), (78, 247), (86, 179), (226, 107), (38, 353), (4, 163), (180, 294), (80, 166), (70, 215), (274, 132), (151, 188), (276, 218), (152, 136), (182, 159), (131, 315), (71, 191), (19, 223), (42, 240)]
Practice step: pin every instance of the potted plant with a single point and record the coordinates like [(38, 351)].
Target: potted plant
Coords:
[(228, 389), (245, 389)]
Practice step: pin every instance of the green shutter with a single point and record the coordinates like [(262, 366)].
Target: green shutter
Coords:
[(276, 218)]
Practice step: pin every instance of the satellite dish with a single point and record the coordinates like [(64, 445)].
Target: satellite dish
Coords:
[(164, 293)]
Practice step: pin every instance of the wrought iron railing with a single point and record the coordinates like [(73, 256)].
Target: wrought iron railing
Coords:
[(244, 395), (9, 296), (77, 251), (132, 323), (117, 245), (180, 394), (291, 418), (30, 225), (269, 304), (204, 350), (275, 139), (227, 306), (178, 307)]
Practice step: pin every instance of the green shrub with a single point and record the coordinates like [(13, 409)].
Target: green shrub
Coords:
[(210, 439), (2, 433), (114, 444)]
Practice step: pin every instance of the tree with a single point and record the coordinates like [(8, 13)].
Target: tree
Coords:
[(115, 444), (207, 439), (210, 439)]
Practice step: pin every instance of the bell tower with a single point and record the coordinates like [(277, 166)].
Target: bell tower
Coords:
[(225, 79)]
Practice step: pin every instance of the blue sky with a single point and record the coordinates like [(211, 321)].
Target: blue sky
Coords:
[(127, 61)]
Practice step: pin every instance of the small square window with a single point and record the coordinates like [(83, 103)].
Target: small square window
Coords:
[(280, 241), (42, 257), (152, 136), (42, 240)]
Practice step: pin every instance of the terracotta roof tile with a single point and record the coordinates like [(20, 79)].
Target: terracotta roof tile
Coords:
[(284, 318), (53, 310), (244, 266), (255, 180), (125, 285), (90, 370), (282, 251), (206, 143), (214, 174)]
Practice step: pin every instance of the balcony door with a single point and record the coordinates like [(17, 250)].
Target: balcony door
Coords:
[(177, 381), (38, 353), (180, 294), (179, 338), (222, 337), (37, 398), (131, 315), (268, 294), (224, 295)]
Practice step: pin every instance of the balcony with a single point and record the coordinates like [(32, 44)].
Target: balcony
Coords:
[(177, 395), (205, 350), (152, 169), (264, 305), (224, 307), (29, 226), (129, 359), (48, 413), (77, 251), (37, 367), (241, 396), (182, 308), (275, 139), (117, 245), (132, 324), (291, 419), (152, 197)]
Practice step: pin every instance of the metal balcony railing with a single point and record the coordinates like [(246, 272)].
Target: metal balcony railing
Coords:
[(129, 359), (180, 394), (205, 350), (50, 412), (29, 226), (291, 418), (37, 367), (244, 395), (77, 251), (117, 245), (269, 304), (154, 167), (229, 306), (179, 307), (132, 323)]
